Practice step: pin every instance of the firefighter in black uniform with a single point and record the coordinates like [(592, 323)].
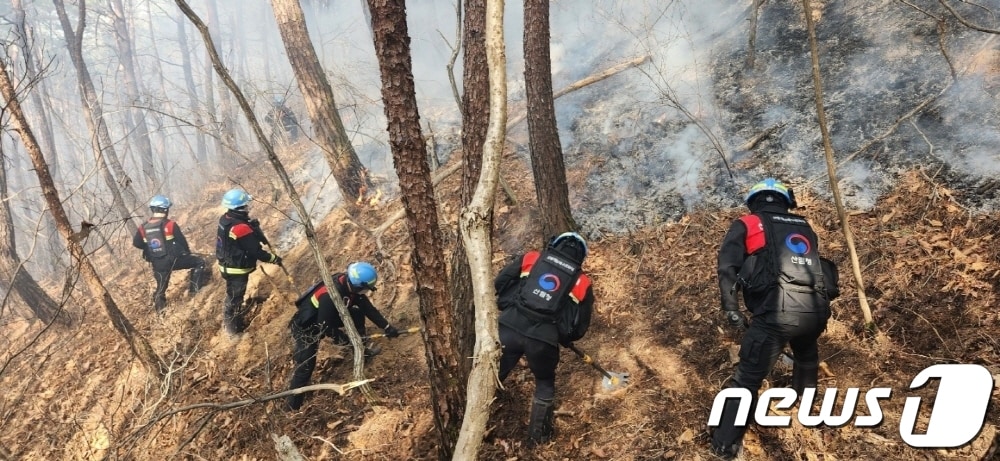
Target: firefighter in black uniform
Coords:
[(525, 332), (238, 247), (317, 318), (772, 257), (164, 246), (284, 125)]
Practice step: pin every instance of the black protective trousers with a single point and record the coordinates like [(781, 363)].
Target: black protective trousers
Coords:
[(760, 348), (543, 358), (162, 271), (233, 314), (306, 347)]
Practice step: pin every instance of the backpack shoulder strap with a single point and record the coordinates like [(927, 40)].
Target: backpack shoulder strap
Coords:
[(528, 261), (755, 233), (580, 288)]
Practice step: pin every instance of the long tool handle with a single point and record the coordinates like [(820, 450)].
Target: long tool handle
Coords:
[(587, 359), (284, 269), (402, 332)]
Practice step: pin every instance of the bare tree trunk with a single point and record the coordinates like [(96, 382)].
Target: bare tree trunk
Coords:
[(222, 151), (226, 119), (25, 38), (201, 154), (33, 73), (104, 152), (135, 117), (475, 119), (310, 230), (318, 95), (409, 153), (476, 229), (12, 271), (831, 169), (543, 135), (75, 240)]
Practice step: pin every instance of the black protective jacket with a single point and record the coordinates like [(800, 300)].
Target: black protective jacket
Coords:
[(239, 244), (316, 312), (176, 243), (732, 256), (508, 288)]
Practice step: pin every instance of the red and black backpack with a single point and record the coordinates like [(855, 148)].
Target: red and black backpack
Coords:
[(157, 236)]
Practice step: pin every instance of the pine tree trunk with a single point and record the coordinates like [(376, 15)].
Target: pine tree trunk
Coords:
[(409, 153), (543, 135), (318, 95)]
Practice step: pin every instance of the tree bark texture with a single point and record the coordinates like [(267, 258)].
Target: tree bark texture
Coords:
[(140, 347), (318, 95), (123, 196), (543, 135), (409, 153), (13, 275), (476, 231), (475, 119)]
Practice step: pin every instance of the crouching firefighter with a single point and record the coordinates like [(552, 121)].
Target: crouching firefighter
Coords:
[(772, 257), (546, 301), (317, 318)]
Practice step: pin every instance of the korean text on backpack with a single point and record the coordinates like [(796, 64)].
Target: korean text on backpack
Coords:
[(791, 261), (552, 290)]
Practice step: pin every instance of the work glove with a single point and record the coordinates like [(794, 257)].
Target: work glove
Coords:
[(391, 332), (276, 260), (735, 319)]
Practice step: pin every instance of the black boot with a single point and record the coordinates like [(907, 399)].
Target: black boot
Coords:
[(540, 425), (294, 402), (196, 280), (727, 438), (803, 376)]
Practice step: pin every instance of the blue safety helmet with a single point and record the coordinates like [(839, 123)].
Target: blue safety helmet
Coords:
[(571, 239), (236, 198), (159, 203), (772, 185), (362, 276)]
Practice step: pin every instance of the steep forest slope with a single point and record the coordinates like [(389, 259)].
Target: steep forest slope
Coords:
[(914, 121), (931, 270)]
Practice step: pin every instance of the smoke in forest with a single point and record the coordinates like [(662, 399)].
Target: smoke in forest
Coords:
[(670, 134)]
